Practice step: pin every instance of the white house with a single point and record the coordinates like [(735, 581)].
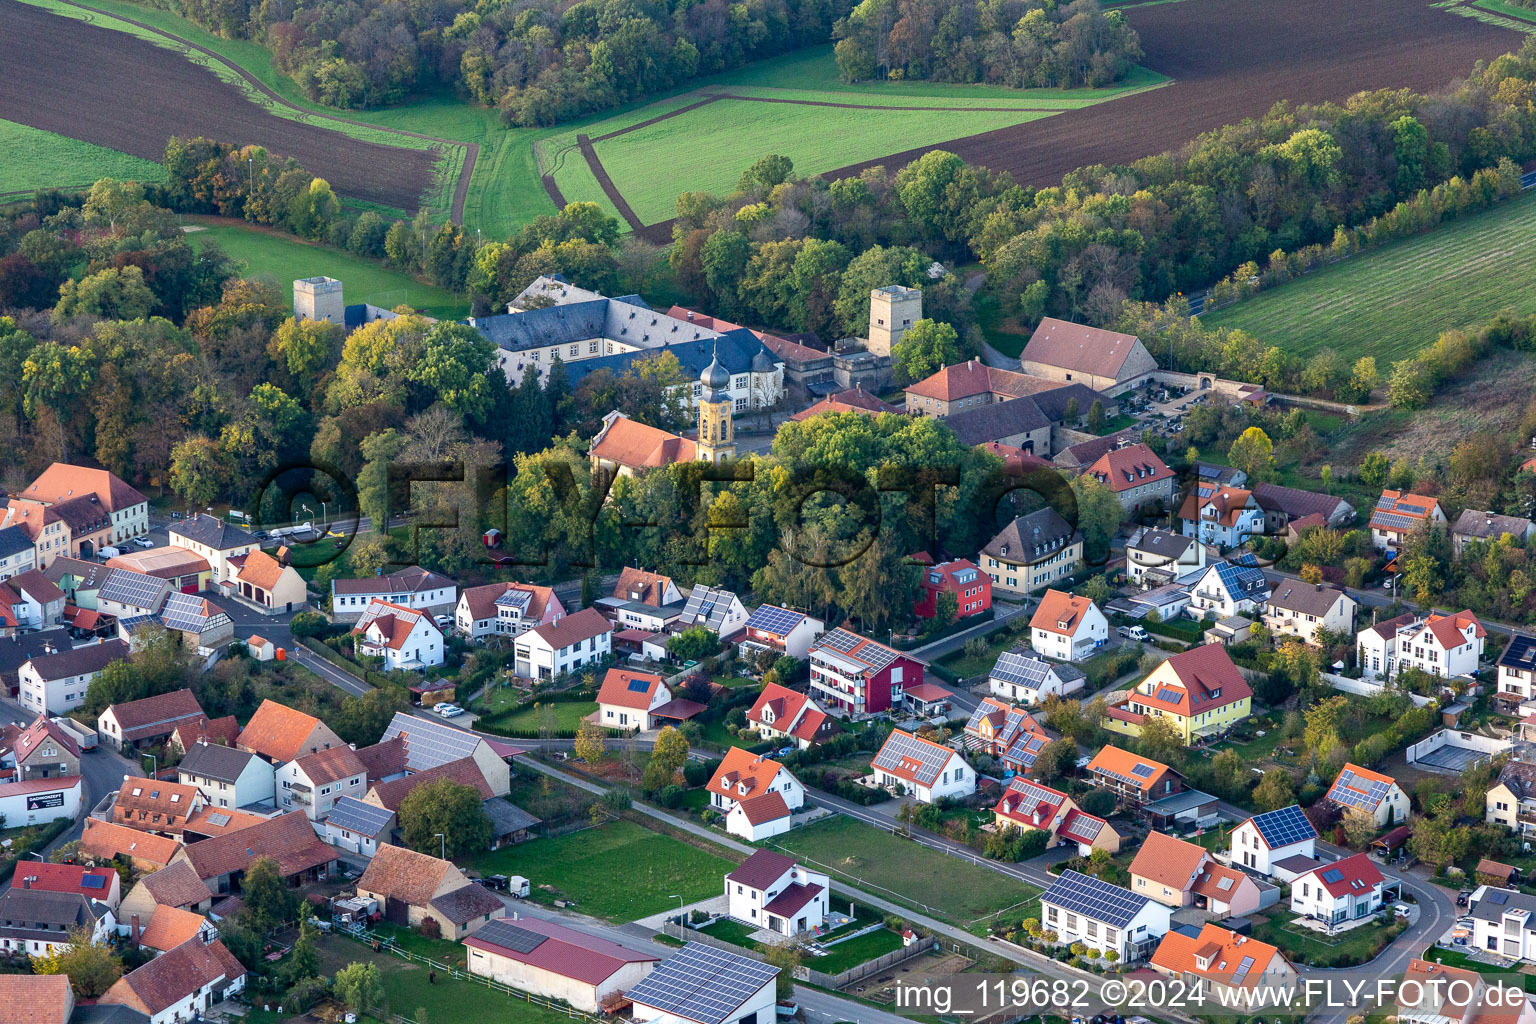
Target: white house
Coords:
[(740, 990), (1301, 609), (784, 714), (1337, 893), (1442, 645), (922, 769), (37, 921), (1102, 916), (756, 794), (505, 609), (781, 630), (1517, 668), (413, 588), (772, 891), (56, 683), (564, 645), (1398, 514), (1361, 791), (357, 827), (1067, 627), (627, 699), (39, 602), (1225, 589), (1165, 556), (1027, 677), (404, 637), (1504, 922), (313, 783), (32, 801), (549, 960), (181, 984), (228, 776), (1264, 839), (719, 611)]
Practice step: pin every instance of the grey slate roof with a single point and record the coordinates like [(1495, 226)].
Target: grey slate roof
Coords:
[(997, 420), (1295, 502), (1497, 902), (1306, 598), (1031, 538), (623, 319), (216, 761), (79, 660), (1160, 543), (738, 350), (1520, 777), (13, 541), (211, 531), (1489, 526), (45, 916), (507, 818), (1053, 403), (466, 903)]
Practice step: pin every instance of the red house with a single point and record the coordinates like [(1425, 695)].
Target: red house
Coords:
[(854, 677), (963, 578)]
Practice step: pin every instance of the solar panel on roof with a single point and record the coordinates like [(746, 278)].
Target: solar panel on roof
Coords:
[(123, 586), (1142, 771), (703, 984), (512, 937), (1094, 898), (354, 815), (1498, 897), (429, 744), (1242, 970), (219, 820), (1333, 875), (93, 882), (772, 619), (1284, 827), (639, 685), (185, 614), (518, 599), (902, 752), (1019, 669)]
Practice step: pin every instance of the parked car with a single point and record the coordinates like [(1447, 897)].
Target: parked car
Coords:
[(443, 621), (441, 705), (143, 542), (451, 711)]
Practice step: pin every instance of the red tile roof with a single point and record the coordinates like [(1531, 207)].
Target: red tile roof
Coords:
[(278, 732), (155, 716), (171, 977), (573, 628), (1120, 469), (1449, 629), (1168, 861), (627, 442), (1356, 874), (759, 810), (169, 927), (1202, 672), (27, 741), (261, 570), (743, 774), (788, 708), (62, 481), (975, 377), (1223, 951), (1124, 766), (625, 689), (64, 878), (35, 999), (288, 839), (464, 771), (103, 840), (404, 875), (481, 601), (326, 766), (1079, 347), (176, 886), (853, 400), (564, 951)]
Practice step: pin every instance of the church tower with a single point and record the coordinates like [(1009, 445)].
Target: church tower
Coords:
[(717, 435)]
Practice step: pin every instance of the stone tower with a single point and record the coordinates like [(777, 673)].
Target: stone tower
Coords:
[(319, 298), (892, 310), (717, 435)]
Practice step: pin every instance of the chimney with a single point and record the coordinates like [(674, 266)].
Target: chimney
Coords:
[(134, 930), (26, 883)]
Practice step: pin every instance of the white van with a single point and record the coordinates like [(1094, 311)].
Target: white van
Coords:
[(103, 554)]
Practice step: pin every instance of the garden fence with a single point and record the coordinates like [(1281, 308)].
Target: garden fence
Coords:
[(804, 973)]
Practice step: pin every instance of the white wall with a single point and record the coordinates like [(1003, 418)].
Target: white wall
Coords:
[(540, 982), (30, 808)]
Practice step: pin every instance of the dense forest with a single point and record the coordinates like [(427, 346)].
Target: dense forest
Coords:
[(1021, 43), (546, 61)]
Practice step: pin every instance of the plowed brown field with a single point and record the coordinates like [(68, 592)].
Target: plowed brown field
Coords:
[(122, 92)]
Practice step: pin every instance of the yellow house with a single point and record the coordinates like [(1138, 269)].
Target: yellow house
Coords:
[(1199, 691)]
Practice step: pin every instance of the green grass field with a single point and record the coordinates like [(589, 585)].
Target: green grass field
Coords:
[(58, 161), (285, 259), (1393, 301), (890, 866), (620, 871), (568, 716)]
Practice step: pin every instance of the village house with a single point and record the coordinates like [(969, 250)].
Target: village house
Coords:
[(101, 842), (1140, 479), (1076, 353), (1029, 805), (1302, 609), (1180, 874), (564, 645), (919, 768), (1337, 893), (854, 677), (505, 609), (1199, 691), (156, 805), (549, 960), (35, 921), (1226, 589), (1154, 557), (1501, 922), (147, 721), (782, 631), (222, 544), (128, 594), (126, 508), (412, 887), (181, 984), (17, 554), (263, 580), (1398, 514), (788, 715), (404, 638), (1006, 732), (176, 886), (101, 884), (430, 744), (1286, 505), (229, 777), (1104, 917), (627, 700), (357, 826), (642, 600), (280, 733), (960, 577), (289, 839), (201, 625), (1026, 676), (1511, 800), (756, 794), (314, 782), (1222, 959), (1264, 840), (1454, 995), (970, 385), (741, 990), (1361, 791), (169, 927), (464, 772), (38, 603), (42, 750), (1134, 779), (715, 609), (1517, 669), (1222, 515), (1484, 527), (1067, 627), (413, 587), (1031, 552), (1441, 645), (771, 891)]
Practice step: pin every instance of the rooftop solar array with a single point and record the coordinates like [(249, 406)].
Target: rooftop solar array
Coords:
[(1142, 771), (136, 589), (1284, 827), (429, 744), (354, 815), (908, 755), (638, 685), (185, 613), (219, 820), (1082, 826), (1333, 875), (93, 882), (1021, 668), (508, 935), (876, 655), (1242, 970), (770, 618), (703, 984), (1351, 790), (1241, 580), (518, 599), (1498, 897), (708, 606), (1094, 898)]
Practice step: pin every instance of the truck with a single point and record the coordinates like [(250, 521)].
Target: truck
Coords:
[(1135, 633), (84, 736)]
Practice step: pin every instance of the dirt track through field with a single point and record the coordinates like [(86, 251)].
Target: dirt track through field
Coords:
[(117, 90), (1230, 59), (606, 184)]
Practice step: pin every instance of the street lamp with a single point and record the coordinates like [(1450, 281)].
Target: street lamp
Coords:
[(154, 765), (442, 844), (679, 898)]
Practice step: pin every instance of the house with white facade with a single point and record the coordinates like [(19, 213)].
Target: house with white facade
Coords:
[(55, 683), (780, 630), (36, 921), (627, 700), (772, 891), (1067, 627), (1225, 589), (741, 990), (313, 783), (756, 794), (180, 985), (780, 713), (358, 827), (1104, 917), (1155, 557), (564, 645), (1339, 892), (1442, 645), (1503, 922), (1026, 677), (1517, 669), (718, 610), (404, 637), (1301, 609), (1398, 514), (1220, 514), (17, 553), (922, 769), (412, 587), (552, 961), (505, 609), (1265, 839), (227, 776), (1359, 790)]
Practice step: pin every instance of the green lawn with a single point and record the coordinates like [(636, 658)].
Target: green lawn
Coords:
[(1507, 9), (1391, 302), (965, 666), (852, 952), (568, 716), (284, 259), (1302, 946), (734, 932), (893, 867), (39, 159), (620, 871), (1454, 958), (412, 941)]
